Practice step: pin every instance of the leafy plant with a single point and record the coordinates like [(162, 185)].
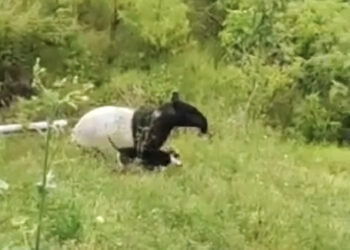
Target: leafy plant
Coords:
[(249, 26), (53, 102), (161, 23), (66, 222), (61, 97)]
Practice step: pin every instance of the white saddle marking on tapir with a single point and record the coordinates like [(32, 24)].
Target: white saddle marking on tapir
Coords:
[(94, 128)]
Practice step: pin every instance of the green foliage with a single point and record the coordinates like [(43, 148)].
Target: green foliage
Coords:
[(317, 27), (305, 40), (54, 37), (59, 98), (313, 120), (23, 37), (66, 221), (249, 26), (101, 16), (286, 63), (161, 23)]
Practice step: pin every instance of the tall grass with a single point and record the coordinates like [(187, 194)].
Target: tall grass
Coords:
[(53, 104), (241, 190), (246, 188)]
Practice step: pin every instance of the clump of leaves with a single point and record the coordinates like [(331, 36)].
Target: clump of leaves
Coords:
[(159, 84), (313, 120), (62, 96), (25, 36), (66, 222), (249, 26), (161, 23), (306, 43)]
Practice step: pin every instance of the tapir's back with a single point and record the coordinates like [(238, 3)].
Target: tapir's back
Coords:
[(94, 128)]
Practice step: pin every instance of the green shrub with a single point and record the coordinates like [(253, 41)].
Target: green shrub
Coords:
[(249, 26), (24, 37), (66, 221), (319, 31), (161, 23), (313, 120), (306, 42), (68, 93), (316, 27), (55, 38)]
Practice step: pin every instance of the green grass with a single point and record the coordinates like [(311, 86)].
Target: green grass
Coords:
[(238, 191), (244, 189)]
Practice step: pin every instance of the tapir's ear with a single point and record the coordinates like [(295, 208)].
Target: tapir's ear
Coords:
[(175, 96)]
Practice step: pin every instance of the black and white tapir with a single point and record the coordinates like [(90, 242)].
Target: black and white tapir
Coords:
[(144, 129)]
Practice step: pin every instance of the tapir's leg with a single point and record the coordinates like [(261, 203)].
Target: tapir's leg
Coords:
[(119, 159), (123, 160)]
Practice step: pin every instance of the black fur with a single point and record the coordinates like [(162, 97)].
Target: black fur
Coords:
[(149, 158), (150, 130)]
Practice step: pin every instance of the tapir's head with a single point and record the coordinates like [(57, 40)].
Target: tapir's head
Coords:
[(181, 114)]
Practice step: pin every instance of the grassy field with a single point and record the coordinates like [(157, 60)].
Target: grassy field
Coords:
[(283, 63), (244, 189)]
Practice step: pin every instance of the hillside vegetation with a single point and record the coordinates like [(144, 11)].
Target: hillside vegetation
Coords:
[(272, 76)]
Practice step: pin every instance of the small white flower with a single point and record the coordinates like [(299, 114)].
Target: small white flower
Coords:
[(100, 219), (4, 186), (75, 80), (84, 98)]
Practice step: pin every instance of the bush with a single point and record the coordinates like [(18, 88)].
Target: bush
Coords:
[(249, 27), (66, 221), (318, 31), (161, 23), (307, 42), (54, 37), (68, 93), (24, 37)]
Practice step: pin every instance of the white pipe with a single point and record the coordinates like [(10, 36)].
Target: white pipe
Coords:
[(34, 126)]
